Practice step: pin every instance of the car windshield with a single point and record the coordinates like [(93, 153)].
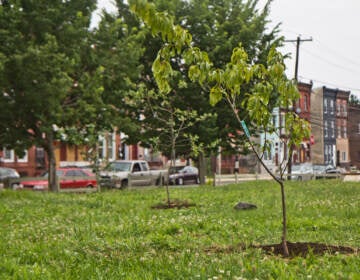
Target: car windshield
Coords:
[(119, 166)]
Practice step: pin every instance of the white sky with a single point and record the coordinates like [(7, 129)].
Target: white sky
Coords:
[(333, 57)]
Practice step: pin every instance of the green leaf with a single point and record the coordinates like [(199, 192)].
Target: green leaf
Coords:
[(215, 95)]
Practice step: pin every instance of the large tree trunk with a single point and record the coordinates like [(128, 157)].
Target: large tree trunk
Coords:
[(202, 168), (52, 179)]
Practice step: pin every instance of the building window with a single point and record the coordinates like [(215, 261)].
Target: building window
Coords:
[(332, 106), (339, 131), (343, 156), (358, 128), (345, 131), (333, 129), (326, 129), (40, 157), (9, 155), (338, 108), (101, 150), (106, 148), (305, 103), (344, 110), (111, 146), (325, 106), (24, 158), (282, 129)]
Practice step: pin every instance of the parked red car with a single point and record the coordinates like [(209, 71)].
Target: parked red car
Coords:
[(69, 178)]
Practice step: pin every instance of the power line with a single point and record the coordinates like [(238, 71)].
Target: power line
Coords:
[(329, 62), (338, 54)]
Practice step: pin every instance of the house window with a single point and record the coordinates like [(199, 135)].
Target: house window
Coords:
[(40, 157), (345, 132), (338, 105), (343, 156), (333, 129), (325, 106), (325, 129), (332, 106), (24, 158), (9, 155), (106, 148), (111, 146), (305, 103), (344, 110), (282, 131), (101, 150)]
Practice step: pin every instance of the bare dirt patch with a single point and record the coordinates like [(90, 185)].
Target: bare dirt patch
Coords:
[(302, 249), (173, 204), (297, 249)]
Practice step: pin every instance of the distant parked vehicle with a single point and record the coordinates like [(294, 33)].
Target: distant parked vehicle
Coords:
[(122, 173), (69, 178), (316, 171), (8, 178), (180, 175)]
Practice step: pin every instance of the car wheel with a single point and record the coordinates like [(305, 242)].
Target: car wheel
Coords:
[(124, 184), (15, 186), (89, 186), (180, 181)]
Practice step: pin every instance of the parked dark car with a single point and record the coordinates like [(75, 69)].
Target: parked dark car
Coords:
[(69, 178), (180, 175), (8, 178)]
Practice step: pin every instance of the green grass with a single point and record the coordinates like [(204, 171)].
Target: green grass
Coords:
[(116, 234)]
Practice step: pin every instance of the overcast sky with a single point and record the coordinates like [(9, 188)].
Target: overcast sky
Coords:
[(332, 58)]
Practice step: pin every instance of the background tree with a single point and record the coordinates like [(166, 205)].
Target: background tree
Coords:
[(118, 47), (46, 80)]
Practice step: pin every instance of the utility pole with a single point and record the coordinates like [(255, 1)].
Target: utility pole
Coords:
[(298, 41)]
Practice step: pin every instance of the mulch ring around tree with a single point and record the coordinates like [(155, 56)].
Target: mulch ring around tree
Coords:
[(302, 249), (297, 249), (173, 204)]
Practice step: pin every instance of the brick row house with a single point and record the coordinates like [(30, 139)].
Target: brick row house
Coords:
[(110, 147), (354, 135), (335, 129), (329, 125)]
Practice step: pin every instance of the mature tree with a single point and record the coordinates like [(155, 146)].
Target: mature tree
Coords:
[(226, 83), (48, 85), (118, 48)]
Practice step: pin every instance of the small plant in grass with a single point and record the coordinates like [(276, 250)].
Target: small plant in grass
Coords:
[(260, 87)]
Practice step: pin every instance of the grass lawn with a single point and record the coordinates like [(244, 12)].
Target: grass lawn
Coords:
[(116, 234)]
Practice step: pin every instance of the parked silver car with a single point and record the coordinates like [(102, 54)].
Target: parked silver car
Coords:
[(8, 178)]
